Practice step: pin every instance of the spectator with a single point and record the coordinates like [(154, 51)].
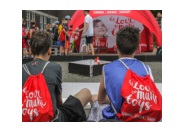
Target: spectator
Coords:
[(48, 27), (61, 25), (31, 31), (49, 30), (64, 37), (55, 32), (88, 31), (72, 109), (127, 40), (159, 19), (24, 39)]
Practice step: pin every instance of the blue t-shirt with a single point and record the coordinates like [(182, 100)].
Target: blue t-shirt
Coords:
[(114, 74)]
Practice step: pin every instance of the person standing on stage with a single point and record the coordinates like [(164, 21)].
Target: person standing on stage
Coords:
[(88, 31), (64, 37)]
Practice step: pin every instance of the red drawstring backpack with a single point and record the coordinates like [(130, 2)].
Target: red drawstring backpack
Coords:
[(142, 100), (36, 99)]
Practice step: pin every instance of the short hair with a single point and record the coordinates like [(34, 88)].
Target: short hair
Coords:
[(87, 11), (127, 40), (40, 42), (32, 22)]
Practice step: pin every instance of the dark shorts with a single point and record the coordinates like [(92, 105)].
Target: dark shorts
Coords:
[(89, 40), (72, 110), (61, 43)]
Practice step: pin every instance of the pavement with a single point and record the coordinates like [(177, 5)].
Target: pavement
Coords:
[(156, 68)]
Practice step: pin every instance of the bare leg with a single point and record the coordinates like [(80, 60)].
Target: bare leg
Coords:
[(61, 50), (92, 49), (66, 51), (93, 98), (24, 52), (84, 96), (89, 49), (70, 48), (84, 50)]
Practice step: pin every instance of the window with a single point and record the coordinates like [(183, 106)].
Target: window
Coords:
[(45, 22), (28, 19), (41, 22), (52, 20), (32, 16)]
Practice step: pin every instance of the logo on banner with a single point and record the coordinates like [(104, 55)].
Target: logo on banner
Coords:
[(120, 23)]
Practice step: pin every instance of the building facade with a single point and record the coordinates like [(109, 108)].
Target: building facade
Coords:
[(44, 17)]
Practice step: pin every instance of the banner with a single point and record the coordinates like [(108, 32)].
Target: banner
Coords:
[(107, 27), (112, 20)]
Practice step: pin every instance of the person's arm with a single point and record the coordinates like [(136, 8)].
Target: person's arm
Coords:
[(80, 29), (66, 32), (58, 87), (30, 32), (102, 95), (59, 99)]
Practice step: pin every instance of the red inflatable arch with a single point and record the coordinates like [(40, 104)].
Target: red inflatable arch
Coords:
[(116, 19)]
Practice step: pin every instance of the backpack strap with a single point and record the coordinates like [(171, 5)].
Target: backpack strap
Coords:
[(124, 64), (114, 108), (56, 115), (141, 62), (109, 98), (145, 68), (26, 69), (45, 66)]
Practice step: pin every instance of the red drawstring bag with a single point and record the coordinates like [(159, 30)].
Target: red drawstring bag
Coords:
[(142, 100), (36, 99)]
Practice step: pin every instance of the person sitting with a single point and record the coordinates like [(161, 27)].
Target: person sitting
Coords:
[(72, 109), (113, 74)]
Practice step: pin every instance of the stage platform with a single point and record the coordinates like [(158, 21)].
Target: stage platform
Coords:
[(145, 57), (86, 67)]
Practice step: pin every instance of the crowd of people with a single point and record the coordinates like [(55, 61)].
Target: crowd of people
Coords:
[(60, 32), (62, 35), (108, 103), (26, 36)]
